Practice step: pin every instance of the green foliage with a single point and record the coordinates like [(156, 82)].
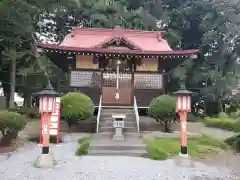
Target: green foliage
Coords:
[(30, 112), (162, 109), (193, 118), (10, 124), (227, 123), (84, 144), (235, 115), (234, 142), (77, 105), (164, 148), (206, 25), (222, 115)]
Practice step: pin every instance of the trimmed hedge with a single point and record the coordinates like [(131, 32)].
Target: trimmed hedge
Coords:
[(77, 105), (226, 123), (10, 124), (162, 109)]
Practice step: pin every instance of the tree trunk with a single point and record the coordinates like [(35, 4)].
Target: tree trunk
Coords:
[(27, 100), (13, 83), (7, 139), (166, 127)]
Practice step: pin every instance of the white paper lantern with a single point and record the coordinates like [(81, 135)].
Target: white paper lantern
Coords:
[(47, 104), (183, 103)]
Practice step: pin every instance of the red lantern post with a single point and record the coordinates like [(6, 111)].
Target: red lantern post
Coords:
[(183, 107), (47, 105)]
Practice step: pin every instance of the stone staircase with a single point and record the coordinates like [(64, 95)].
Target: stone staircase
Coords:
[(102, 143)]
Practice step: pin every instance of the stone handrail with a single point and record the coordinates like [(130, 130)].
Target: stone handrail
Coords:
[(136, 113), (99, 113)]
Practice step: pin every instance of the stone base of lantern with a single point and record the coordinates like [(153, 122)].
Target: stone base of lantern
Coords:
[(184, 161), (45, 161)]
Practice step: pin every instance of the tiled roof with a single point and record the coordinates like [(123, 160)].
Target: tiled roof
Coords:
[(92, 37), (99, 40)]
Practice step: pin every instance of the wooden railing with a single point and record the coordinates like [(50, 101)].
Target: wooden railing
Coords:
[(99, 113), (136, 113)]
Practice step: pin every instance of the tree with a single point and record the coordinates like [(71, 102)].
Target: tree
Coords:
[(162, 109)]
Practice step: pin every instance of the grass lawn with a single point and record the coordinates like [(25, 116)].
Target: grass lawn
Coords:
[(163, 148), (84, 144)]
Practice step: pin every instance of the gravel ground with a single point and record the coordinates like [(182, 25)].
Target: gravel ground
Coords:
[(19, 166)]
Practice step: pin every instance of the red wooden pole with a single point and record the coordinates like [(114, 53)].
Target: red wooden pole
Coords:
[(183, 132)]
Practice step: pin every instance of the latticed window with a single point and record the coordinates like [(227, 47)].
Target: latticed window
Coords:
[(85, 79), (148, 81)]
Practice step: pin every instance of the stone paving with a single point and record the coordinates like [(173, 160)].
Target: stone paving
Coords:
[(19, 166)]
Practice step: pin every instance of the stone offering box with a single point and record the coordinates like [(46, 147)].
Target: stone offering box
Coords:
[(118, 124)]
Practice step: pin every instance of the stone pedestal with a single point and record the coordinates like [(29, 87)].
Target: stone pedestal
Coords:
[(184, 161), (45, 161), (118, 134), (118, 124)]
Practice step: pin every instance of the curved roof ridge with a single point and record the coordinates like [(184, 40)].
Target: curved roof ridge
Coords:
[(87, 30)]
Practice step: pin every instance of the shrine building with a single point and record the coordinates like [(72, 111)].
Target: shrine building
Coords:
[(116, 67)]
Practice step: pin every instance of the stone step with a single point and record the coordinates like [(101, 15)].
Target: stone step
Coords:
[(118, 109), (136, 153), (110, 115), (112, 129), (128, 118), (117, 146), (110, 123), (109, 135)]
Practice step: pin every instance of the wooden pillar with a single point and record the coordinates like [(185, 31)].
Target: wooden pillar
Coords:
[(132, 83), (161, 70), (69, 77)]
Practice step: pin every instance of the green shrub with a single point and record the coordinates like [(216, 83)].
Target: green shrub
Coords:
[(84, 144), (31, 112), (162, 109), (234, 142), (193, 118), (227, 124), (237, 126), (10, 124), (222, 115), (76, 104), (235, 115), (14, 110)]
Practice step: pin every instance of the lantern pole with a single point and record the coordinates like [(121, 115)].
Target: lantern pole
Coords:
[(183, 107), (47, 106)]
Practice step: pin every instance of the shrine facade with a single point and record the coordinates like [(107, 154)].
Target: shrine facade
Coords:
[(116, 66)]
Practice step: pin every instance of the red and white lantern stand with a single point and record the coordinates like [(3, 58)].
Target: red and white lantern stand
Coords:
[(54, 124), (47, 107), (183, 107)]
